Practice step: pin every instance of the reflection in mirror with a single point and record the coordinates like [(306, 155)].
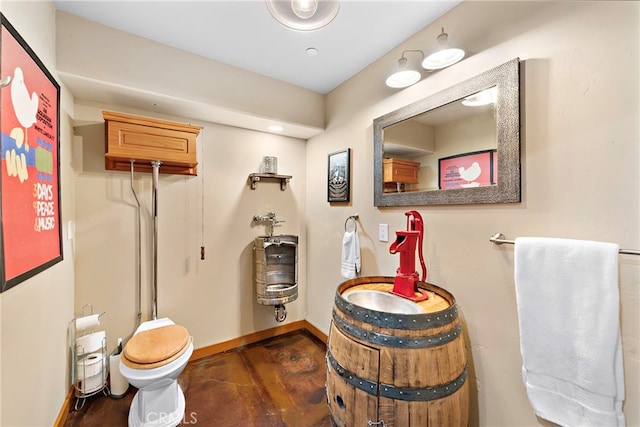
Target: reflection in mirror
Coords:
[(440, 143), (452, 141)]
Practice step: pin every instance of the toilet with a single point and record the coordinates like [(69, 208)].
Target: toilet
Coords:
[(152, 360)]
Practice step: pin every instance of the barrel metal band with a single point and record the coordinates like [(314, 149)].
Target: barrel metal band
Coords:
[(398, 393), (350, 377), (397, 321), (395, 341), (426, 393)]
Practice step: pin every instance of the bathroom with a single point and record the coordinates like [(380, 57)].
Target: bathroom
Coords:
[(579, 107)]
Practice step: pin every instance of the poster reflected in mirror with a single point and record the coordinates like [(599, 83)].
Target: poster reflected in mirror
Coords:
[(469, 170), (339, 176), (30, 177)]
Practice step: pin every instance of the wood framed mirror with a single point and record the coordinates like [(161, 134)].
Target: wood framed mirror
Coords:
[(457, 146)]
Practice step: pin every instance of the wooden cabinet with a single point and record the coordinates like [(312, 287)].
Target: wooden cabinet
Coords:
[(398, 170), (144, 140), (397, 173)]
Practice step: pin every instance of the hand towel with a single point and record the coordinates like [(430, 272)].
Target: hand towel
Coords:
[(350, 254), (568, 308)]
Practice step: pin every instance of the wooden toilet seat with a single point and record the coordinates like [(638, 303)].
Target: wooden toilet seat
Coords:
[(156, 347)]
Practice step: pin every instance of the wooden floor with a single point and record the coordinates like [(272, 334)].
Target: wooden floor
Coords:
[(273, 383)]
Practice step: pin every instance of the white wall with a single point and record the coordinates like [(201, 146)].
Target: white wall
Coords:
[(213, 298), (34, 314), (580, 157)]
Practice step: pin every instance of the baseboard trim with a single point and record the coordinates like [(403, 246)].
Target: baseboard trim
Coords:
[(215, 349), (315, 332), (256, 337), (66, 408)]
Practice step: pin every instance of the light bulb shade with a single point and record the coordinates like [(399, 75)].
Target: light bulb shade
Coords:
[(403, 78), (304, 9), (442, 59), (444, 55), (303, 15)]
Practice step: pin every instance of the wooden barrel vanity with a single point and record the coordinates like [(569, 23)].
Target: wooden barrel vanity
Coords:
[(396, 369)]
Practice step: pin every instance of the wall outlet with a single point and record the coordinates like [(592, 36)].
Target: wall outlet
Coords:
[(383, 232)]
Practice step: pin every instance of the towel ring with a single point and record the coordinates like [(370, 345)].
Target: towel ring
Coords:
[(354, 218)]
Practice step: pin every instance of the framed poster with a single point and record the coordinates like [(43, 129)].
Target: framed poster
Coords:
[(30, 233), (468, 170), (339, 176)]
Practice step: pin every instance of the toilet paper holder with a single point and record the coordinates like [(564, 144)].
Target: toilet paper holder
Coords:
[(89, 359)]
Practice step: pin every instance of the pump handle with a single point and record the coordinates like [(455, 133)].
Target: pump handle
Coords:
[(416, 224)]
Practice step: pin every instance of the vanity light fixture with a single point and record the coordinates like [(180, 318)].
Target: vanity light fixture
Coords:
[(405, 76), (303, 15), (444, 54)]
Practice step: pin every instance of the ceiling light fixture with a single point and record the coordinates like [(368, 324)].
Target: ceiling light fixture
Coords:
[(405, 76), (444, 54), (303, 15), (275, 128)]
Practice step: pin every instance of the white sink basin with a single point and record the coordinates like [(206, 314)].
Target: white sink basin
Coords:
[(382, 301)]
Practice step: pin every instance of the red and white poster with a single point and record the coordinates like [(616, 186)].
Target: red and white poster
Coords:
[(477, 169), (30, 188)]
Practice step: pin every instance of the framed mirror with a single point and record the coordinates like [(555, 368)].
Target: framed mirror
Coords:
[(458, 146)]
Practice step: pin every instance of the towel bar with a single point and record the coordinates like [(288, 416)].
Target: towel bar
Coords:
[(355, 222), (499, 239)]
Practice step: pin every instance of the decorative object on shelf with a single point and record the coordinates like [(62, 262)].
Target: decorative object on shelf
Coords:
[(303, 15), (270, 164), (254, 178), (339, 176), (444, 55), (30, 194)]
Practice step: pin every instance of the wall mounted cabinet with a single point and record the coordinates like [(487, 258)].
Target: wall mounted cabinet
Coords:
[(144, 140)]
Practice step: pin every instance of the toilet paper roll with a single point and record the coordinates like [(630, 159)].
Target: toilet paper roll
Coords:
[(117, 382), (90, 365), (87, 322), (90, 343), (91, 384)]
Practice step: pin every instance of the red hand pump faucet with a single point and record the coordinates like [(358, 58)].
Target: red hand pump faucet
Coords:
[(405, 282)]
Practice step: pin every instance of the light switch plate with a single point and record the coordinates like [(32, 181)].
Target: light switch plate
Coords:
[(383, 232)]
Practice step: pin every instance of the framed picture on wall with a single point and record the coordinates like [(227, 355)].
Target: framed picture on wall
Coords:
[(339, 176), (468, 170), (31, 236)]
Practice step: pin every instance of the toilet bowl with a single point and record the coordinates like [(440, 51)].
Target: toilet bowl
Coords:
[(151, 361)]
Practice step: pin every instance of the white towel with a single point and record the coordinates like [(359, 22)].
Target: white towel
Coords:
[(568, 307), (350, 254)]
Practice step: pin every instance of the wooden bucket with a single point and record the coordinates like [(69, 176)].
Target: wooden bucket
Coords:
[(398, 370)]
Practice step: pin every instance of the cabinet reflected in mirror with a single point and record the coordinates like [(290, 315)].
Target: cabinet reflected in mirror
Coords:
[(445, 149)]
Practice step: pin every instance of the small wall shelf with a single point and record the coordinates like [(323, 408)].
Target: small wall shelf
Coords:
[(256, 177)]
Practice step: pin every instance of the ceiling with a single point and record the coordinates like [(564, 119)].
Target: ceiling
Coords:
[(243, 33)]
